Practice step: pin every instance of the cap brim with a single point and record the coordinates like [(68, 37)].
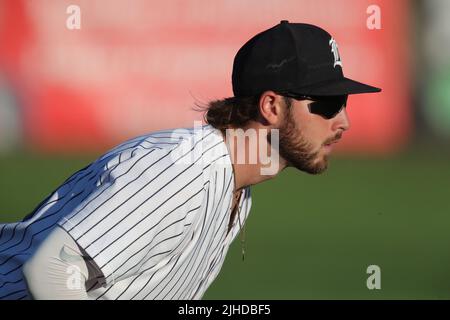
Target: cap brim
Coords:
[(339, 87)]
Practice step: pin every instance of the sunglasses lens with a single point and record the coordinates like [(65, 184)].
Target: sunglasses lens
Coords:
[(329, 107)]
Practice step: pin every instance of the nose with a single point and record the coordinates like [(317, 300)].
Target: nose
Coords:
[(342, 121)]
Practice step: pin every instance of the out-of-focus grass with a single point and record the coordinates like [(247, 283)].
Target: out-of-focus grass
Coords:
[(311, 237), (27, 178)]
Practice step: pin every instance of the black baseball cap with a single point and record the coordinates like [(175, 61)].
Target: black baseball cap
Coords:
[(292, 57)]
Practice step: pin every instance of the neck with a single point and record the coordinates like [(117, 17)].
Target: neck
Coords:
[(253, 159)]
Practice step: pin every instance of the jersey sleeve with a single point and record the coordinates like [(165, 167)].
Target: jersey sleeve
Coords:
[(139, 211)]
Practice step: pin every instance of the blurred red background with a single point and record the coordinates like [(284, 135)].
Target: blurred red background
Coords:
[(137, 66)]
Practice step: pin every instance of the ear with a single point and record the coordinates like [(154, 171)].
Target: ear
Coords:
[(271, 108)]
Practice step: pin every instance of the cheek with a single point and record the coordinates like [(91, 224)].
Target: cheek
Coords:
[(314, 128)]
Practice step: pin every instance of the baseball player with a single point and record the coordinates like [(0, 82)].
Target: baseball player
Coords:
[(154, 217)]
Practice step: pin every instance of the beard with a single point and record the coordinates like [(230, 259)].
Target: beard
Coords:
[(297, 151)]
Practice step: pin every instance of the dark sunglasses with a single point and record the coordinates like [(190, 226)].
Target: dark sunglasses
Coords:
[(327, 107)]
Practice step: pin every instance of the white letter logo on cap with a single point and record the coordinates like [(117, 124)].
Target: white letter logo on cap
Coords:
[(334, 49)]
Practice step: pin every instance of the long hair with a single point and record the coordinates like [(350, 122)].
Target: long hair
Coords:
[(233, 112)]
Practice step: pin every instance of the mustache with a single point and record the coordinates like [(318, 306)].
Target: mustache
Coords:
[(336, 138)]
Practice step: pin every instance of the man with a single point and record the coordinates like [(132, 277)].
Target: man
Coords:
[(154, 217)]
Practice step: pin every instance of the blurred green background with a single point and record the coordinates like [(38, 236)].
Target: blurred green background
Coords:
[(311, 237)]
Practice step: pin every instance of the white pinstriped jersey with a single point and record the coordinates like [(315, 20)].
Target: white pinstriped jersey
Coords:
[(152, 213)]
